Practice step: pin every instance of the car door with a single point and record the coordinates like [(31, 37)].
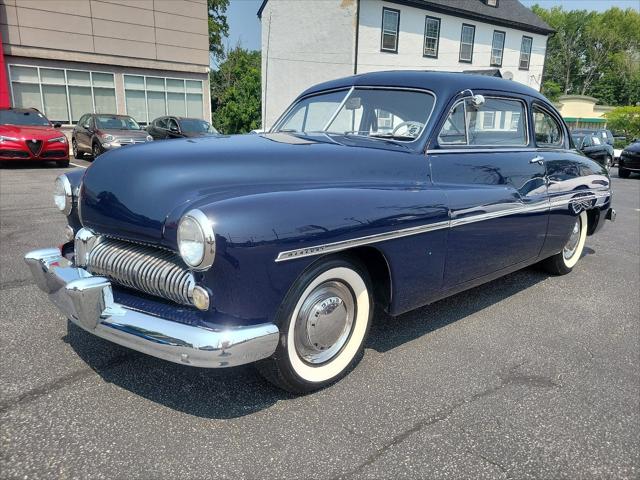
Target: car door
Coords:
[(494, 179), (173, 129), (83, 135), (158, 128), (593, 148)]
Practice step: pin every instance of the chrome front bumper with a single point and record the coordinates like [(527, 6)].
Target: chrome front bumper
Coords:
[(88, 302)]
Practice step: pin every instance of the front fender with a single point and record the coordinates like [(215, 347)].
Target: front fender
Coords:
[(246, 281)]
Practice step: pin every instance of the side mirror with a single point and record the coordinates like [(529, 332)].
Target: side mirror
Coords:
[(173, 129), (477, 100), (57, 125)]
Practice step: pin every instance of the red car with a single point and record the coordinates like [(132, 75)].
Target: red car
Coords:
[(26, 134)]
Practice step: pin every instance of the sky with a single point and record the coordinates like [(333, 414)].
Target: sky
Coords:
[(244, 26)]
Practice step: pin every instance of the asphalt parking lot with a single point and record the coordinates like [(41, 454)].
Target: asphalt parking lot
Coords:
[(529, 376)]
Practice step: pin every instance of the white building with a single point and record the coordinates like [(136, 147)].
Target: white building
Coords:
[(305, 42)]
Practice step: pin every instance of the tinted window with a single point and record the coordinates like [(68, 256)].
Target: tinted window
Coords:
[(498, 122), (161, 123), (547, 130), (23, 117), (196, 126)]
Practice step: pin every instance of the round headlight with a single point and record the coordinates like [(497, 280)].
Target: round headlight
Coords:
[(62, 196), (196, 240), (149, 138)]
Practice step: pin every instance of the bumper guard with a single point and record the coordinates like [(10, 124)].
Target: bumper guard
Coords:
[(88, 302)]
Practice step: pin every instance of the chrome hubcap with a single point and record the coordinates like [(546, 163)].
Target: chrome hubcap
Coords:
[(572, 245), (324, 322)]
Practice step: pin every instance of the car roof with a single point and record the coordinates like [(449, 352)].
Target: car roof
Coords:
[(22, 109), (441, 83)]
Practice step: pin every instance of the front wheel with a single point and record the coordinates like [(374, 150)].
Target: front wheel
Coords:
[(622, 173), (96, 151), (563, 262), (324, 321)]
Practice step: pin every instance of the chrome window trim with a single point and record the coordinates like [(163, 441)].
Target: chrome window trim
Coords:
[(280, 120), (547, 204), (539, 106), (460, 146)]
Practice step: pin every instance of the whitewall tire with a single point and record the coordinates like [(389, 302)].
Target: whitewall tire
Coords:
[(324, 321), (563, 262)]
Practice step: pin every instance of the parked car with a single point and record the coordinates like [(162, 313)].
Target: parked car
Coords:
[(592, 146), (273, 248), (602, 133), (27, 135), (629, 160), (96, 133), (164, 128)]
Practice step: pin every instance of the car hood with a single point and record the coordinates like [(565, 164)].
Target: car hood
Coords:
[(133, 193), (634, 147), (25, 132), (124, 133)]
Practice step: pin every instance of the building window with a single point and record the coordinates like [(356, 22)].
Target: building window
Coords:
[(489, 120), (148, 98), (497, 48), (431, 36), (525, 53), (63, 95), (466, 43), (390, 27)]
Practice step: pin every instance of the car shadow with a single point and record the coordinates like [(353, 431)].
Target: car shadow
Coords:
[(239, 391)]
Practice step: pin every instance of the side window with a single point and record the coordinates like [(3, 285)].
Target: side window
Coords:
[(161, 122), (172, 124), (586, 142), (547, 130), (83, 120), (498, 122)]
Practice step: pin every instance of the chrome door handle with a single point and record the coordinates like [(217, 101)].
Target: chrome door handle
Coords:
[(539, 159)]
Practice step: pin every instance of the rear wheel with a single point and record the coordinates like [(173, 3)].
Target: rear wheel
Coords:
[(76, 152), (622, 173), (563, 262), (324, 321)]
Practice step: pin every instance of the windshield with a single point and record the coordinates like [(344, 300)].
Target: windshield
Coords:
[(113, 122), (196, 126), (374, 113), (23, 117)]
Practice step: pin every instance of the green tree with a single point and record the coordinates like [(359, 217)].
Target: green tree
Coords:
[(593, 53), (218, 26), (625, 120), (551, 90), (235, 92)]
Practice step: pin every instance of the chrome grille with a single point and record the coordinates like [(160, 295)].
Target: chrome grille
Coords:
[(148, 269)]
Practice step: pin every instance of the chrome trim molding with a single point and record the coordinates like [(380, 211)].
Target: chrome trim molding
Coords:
[(88, 302), (549, 204), (357, 242)]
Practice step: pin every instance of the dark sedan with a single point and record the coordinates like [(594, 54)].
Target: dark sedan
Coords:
[(594, 147), (389, 188), (164, 128), (629, 160), (96, 133)]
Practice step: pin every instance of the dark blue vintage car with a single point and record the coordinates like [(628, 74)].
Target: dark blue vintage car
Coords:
[(395, 188)]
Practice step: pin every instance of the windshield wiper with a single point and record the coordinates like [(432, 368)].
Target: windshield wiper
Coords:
[(391, 136)]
